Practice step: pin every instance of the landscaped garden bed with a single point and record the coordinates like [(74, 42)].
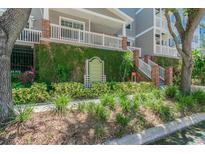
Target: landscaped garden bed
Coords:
[(94, 123)]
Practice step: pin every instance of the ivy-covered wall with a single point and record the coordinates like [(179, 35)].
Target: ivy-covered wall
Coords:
[(61, 62)]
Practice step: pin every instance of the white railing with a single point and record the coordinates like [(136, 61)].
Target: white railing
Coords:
[(85, 37), (30, 36), (161, 23), (166, 51), (161, 69), (145, 68)]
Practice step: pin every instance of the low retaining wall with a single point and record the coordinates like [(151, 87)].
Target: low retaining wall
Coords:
[(195, 87), (158, 132)]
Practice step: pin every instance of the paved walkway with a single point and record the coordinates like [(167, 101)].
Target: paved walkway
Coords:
[(190, 136)]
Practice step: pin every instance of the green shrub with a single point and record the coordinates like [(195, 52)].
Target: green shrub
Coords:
[(23, 115), (101, 113), (125, 87), (36, 94), (96, 111), (122, 120), (126, 105), (199, 96), (77, 90), (171, 91), (61, 103), (186, 104), (100, 132), (159, 108), (108, 100)]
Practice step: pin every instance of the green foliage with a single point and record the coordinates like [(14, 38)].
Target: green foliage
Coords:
[(100, 132), (126, 105), (186, 104), (126, 66), (61, 103), (23, 114), (108, 100), (72, 62), (36, 94), (101, 113), (199, 96), (122, 120), (199, 66), (96, 111), (78, 90), (61, 73), (171, 91), (160, 108)]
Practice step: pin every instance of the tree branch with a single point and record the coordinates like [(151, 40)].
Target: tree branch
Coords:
[(194, 19), (178, 22), (12, 23), (172, 32)]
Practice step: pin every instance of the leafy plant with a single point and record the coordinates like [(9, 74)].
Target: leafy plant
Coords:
[(171, 91), (61, 103), (122, 120), (126, 65), (23, 115), (199, 96), (37, 93), (101, 113), (108, 100), (78, 90), (199, 65), (186, 104), (27, 78), (62, 74), (100, 132)]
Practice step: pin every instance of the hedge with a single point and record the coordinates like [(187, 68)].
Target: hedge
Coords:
[(39, 93), (60, 62)]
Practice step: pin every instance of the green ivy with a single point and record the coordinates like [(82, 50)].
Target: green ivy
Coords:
[(61, 62)]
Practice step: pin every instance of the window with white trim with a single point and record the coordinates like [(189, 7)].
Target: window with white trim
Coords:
[(72, 23)]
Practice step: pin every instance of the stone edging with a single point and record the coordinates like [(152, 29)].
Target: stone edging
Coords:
[(158, 132)]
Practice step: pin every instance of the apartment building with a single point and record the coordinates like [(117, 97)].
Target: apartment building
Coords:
[(149, 32), (92, 27)]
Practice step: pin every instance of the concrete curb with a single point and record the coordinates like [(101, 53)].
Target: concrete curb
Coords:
[(158, 132)]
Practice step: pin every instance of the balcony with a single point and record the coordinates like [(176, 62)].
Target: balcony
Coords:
[(166, 51), (91, 39), (29, 36), (161, 23)]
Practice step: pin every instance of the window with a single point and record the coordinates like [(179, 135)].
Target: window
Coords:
[(30, 23), (128, 26), (72, 23), (128, 43)]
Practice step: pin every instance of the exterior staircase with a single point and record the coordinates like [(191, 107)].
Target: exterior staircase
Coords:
[(145, 69)]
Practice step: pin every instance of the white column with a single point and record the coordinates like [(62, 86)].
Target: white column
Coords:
[(124, 30), (89, 26), (46, 13)]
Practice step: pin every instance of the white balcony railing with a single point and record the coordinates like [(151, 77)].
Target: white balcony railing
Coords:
[(30, 36), (161, 69), (161, 23), (166, 51), (85, 37), (145, 68)]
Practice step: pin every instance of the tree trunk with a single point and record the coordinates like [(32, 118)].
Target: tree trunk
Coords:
[(5, 84), (186, 77)]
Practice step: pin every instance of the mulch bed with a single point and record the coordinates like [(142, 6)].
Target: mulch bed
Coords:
[(74, 127)]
